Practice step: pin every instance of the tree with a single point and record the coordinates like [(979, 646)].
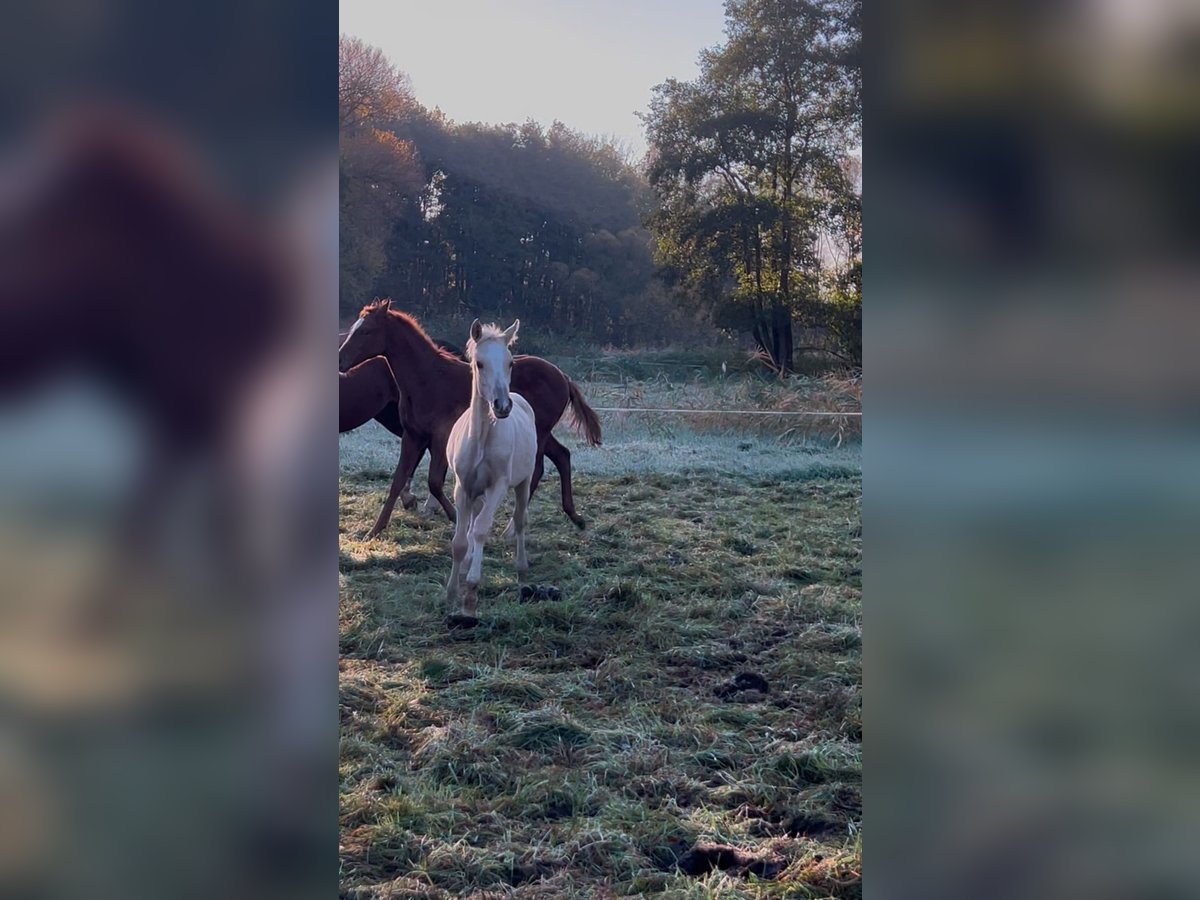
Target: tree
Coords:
[(371, 91), (748, 163), (499, 221), (380, 175), (523, 220)]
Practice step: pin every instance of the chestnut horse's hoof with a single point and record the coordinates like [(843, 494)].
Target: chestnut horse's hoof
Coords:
[(578, 520), (456, 621)]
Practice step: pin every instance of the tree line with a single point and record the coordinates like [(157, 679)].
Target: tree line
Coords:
[(745, 214)]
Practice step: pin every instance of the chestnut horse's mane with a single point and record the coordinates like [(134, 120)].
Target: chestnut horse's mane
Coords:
[(412, 323)]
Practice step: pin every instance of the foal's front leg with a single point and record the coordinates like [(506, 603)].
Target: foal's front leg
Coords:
[(458, 546), (480, 526)]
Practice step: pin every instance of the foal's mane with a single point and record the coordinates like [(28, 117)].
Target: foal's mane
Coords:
[(411, 323), (490, 333)]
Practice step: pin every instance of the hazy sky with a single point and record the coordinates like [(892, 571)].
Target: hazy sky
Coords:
[(588, 63)]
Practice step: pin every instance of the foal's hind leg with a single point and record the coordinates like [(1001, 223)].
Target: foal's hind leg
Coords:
[(510, 530), (521, 520), (411, 451), (561, 457)]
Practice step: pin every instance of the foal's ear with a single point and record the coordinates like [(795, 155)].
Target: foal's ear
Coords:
[(510, 333), (476, 330)]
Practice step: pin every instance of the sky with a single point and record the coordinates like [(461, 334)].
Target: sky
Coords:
[(588, 63)]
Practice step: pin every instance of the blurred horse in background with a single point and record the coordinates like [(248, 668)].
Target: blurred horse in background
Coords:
[(123, 265)]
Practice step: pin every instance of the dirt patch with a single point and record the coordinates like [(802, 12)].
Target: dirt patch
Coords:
[(381, 784), (816, 826), (539, 593), (741, 683), (705, 857)]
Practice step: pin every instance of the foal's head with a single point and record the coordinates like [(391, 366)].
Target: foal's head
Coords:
[(491, 363), (367, 336)]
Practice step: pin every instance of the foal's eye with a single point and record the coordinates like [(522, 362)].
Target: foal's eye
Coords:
[(478, 365)]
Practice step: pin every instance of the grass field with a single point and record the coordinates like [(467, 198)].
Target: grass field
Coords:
[(617, 741)]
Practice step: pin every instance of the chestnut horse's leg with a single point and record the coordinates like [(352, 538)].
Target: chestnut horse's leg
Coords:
[(437, 476), (411, 451), (407, 498), (539, 466), (561, 457)]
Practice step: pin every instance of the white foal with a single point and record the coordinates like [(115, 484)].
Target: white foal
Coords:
[(492, 449)]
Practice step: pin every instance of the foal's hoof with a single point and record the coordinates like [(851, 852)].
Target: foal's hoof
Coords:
[(578, 520), (456, 621), (408, 502)]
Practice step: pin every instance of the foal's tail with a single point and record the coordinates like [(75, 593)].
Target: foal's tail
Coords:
[(585, 420)]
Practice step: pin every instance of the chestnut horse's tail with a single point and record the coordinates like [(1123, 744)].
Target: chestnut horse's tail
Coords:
[(585, 420)]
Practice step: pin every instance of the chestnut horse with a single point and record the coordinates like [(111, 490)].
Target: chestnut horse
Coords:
[(364, 391), (435, 389), (119, 261)]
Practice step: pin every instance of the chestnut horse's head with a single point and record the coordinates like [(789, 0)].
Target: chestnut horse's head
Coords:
[(367, 336)]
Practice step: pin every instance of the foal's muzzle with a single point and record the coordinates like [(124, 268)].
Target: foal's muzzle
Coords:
[(502, 408)]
